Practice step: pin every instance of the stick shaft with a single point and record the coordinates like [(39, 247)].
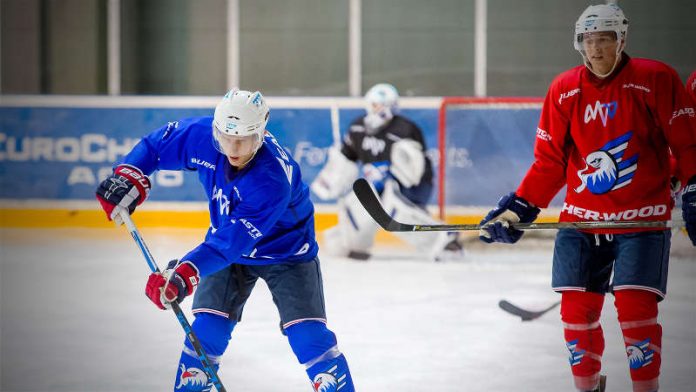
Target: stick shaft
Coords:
[(367, 197), (180, 316)]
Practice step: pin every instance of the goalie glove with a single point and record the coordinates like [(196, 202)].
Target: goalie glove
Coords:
[(689, 209), (407, 162), (173, 284), (495, 227), (126, 188)]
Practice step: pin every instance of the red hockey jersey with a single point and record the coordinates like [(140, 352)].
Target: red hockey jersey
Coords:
[(609, 141)]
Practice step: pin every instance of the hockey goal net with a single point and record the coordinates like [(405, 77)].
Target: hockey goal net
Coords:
[(485, 146)]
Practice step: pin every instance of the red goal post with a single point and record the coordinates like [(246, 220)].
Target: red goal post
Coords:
[(449, 103)]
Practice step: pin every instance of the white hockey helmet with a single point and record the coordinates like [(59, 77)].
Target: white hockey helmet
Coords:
[(381, 103), (383, 94), (240, 113), (598, 18)]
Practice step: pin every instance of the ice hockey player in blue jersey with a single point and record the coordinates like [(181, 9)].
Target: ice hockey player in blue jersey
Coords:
[(392, 154), (262, 226)]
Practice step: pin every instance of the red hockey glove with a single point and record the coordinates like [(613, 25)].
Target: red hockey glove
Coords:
[(174, 284), (125, 189)]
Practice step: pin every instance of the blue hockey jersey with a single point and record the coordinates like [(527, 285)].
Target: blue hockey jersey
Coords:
[(260, 214)]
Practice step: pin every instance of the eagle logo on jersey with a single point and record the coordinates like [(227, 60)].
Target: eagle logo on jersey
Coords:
[(575, 354), (325, 382), (606, 169), (639, 355), (193, 379)]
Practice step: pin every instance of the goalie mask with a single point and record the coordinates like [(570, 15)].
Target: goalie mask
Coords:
[(239, 124), (381, 103), (601, 18)]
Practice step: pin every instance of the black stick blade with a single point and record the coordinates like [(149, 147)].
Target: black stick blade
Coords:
[(525, 315), (368, 198)]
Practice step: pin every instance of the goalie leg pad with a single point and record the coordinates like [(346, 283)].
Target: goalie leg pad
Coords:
[(637, 311), (336, 177), (355, 230), (214, 333), (584, 337), (316, 348), (403, 210)]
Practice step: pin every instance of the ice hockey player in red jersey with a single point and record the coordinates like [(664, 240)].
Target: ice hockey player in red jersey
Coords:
[(606, 131)]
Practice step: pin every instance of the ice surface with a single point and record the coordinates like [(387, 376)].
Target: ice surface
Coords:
[(73, 317)]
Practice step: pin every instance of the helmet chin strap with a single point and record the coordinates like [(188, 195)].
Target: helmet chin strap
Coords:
[(588, 65)]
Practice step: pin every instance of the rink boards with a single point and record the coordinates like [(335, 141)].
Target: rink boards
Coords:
[(55, 150)]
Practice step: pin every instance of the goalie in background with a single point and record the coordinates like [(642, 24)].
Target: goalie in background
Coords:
[(391, 150)]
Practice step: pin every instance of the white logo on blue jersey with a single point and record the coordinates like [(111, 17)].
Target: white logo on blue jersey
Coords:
[(223, 201), (203, 163), (575, 354), (608, 168), (639, 355), (253, 231), (284, 159)]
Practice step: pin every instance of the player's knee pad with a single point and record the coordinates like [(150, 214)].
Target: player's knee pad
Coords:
[(581, 307), (632, 305), (310, 339), (316, 348), (214, 332), (355, 230), (580, 312), (637, 313)]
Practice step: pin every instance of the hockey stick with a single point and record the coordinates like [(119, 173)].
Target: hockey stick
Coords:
[(524, 314), (207, 367), (368, 198)]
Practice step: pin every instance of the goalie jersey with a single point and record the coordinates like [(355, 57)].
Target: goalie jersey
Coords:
[(260, 214), (609, 141), (359, 145)]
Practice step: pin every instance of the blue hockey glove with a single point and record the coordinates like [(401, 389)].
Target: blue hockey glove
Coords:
[(689, 208), (495, 227)]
